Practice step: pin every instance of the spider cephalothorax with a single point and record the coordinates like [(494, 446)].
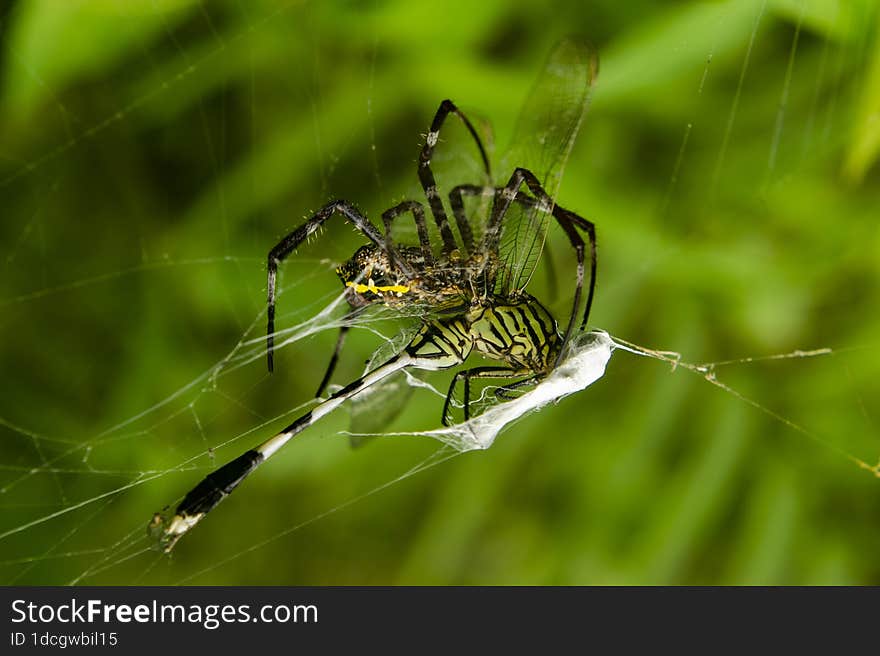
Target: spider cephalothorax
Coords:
[(404, 278), (370, 276)]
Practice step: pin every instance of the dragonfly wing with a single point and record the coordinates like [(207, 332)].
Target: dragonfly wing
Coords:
[(373, 409), (544, 135)]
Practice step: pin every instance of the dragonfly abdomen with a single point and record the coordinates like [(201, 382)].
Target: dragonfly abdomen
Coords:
[(522, 334)]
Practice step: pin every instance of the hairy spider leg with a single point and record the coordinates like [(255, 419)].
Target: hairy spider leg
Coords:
[(476, 372), (291, 241), (426, 176), (388, 217), (418, 213), (524, 335), (502, 393), (435, 346), (565, 218), (337, 349), (568, 220), (456, 199)]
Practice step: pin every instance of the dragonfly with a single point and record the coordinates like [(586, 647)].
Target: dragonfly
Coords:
[(467, 285)]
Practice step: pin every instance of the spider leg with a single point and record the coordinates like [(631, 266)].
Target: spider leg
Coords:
[(331, 366), (426, 176), (466, 375), (290, 242), (340, 342), (570, 223), (418, 213), (456, 200), (503, 392)]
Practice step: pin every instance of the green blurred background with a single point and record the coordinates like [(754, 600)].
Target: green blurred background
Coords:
[(153, 152)]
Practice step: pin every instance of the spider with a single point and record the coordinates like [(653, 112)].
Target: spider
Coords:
[(470, 291)]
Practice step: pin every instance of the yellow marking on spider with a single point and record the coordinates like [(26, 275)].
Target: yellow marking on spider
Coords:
[(376, 289)]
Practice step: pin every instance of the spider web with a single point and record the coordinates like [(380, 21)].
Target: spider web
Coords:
[(133, 323)]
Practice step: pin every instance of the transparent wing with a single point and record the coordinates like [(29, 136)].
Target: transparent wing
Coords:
[(377, 406), (373, 410), (545, 133)]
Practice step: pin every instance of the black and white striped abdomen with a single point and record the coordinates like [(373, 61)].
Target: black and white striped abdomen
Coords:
[(445, 343), (523, 334)]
